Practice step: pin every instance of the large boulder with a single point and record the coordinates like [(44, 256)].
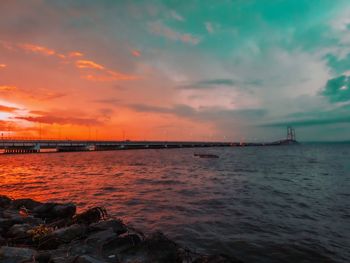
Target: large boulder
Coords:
[(101, 237), (87, 259), (62, 236), (5, 201), (117, 226), (70, 233), (156, 248), (216, 259), (64, 210), (7, 223), (27, 203), (18, 231), (55, 211), (120, 244), (16, 254)]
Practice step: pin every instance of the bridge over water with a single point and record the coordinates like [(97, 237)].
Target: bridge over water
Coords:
[(36, 146)]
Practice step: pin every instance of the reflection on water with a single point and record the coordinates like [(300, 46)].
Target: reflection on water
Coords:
[(267, 204)]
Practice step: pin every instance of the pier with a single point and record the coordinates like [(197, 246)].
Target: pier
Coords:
[(10, 146), (37, 146)]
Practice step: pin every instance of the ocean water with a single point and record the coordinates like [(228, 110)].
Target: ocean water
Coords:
[(259, 204)]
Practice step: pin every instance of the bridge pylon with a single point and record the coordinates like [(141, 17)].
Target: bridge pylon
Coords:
[(291, 134)]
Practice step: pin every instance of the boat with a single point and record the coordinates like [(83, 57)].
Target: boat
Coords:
[(205, 155)]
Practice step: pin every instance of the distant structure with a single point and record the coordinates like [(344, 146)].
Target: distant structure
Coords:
[(291, 134)]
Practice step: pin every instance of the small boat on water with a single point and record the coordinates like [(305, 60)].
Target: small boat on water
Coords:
[(205, 155)]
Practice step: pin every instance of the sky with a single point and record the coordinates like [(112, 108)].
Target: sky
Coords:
[(227, 70)]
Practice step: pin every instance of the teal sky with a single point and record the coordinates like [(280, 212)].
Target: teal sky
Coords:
[(236, 68)]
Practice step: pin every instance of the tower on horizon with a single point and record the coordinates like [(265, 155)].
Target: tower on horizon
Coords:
[(291, 134)]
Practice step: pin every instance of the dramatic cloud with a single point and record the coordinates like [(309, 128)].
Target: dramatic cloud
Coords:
[(234, 69)]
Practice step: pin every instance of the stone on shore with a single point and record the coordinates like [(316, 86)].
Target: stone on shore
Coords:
[(31, 231), (4, 201), (117, 226), (26, 203), (16, 254), (53, 211)]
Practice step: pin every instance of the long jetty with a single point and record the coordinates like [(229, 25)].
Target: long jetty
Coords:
[(36, 146)]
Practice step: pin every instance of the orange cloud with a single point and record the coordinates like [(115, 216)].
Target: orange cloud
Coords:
[(136, 53), (7, 109), (38, 49), (3, 65), (53, 119), (88, 64), (110, 76), (7, 88), (76, 54)]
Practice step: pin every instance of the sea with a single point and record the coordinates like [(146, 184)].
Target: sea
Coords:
[(258, 204)]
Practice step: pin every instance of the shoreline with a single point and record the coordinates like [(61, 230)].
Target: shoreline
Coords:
[(32, 231)]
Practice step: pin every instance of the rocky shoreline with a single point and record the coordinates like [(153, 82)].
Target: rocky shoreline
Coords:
[(31, 231)]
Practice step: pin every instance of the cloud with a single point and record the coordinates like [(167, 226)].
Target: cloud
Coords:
[(38, 49), (109, 101), (8, 109), (53, 119), (3, 66), (158, 28), (336, 115), (209, 27), (337, 89), (7, 88), (221, 83), (136, 53), (309, 122), (203, 113), (75, 54), (109, 75), (88, 64), (104, 74), (176, 16)]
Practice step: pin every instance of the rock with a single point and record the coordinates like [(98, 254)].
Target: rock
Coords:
[(87, 259), (216, 259), (62, 236), (117, 226), (156, 248), (49, 243), (54, 211), (43, 257), (19, 231), (27, 203), (6, 223), (44, 210), (69, 233), (101, 237), (2, 241), (5, 201), (119, 244), (64, 210), (16, 254)]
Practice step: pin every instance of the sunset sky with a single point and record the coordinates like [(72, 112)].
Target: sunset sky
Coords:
[(175, 70)]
